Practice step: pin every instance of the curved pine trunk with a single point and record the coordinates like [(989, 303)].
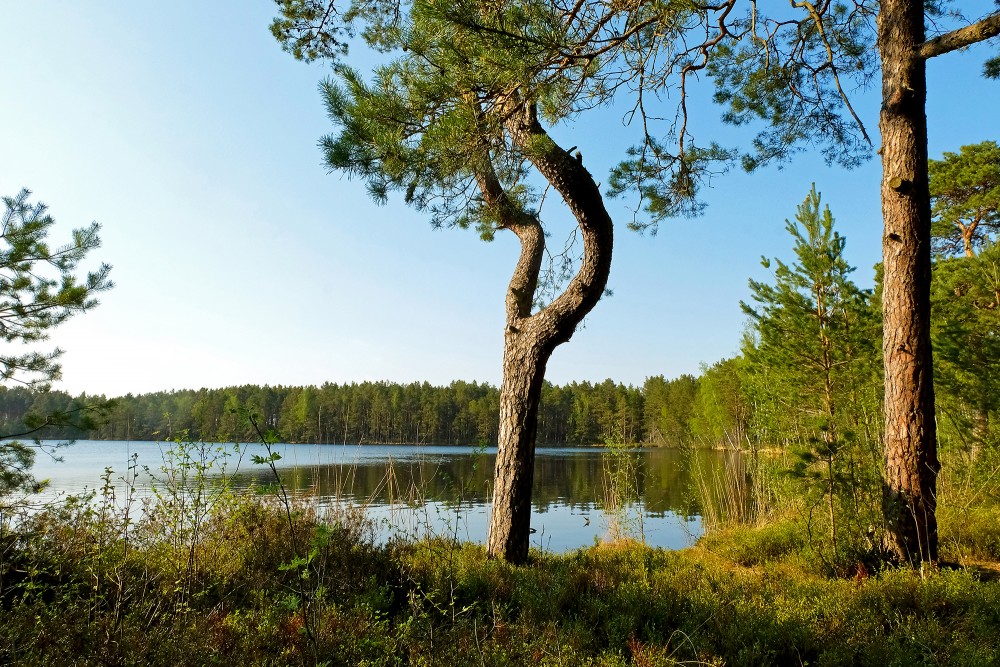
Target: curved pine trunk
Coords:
[(529, 339), (910, 440)]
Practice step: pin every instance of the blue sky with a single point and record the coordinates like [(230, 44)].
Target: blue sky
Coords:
[(191, 137)]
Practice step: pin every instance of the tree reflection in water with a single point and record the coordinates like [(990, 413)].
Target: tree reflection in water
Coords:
[(448, 492), (414, 491)]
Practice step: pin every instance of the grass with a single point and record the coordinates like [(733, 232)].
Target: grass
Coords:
[(205, 575), (80, 587)]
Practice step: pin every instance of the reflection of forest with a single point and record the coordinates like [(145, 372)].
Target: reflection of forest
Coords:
[(575, 479)]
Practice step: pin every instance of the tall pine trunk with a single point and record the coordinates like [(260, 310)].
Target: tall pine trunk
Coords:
[(910, 441)]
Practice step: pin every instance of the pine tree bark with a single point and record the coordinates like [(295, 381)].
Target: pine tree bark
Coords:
[(968, 233), (910, 440), (529, 339), (523, 372)]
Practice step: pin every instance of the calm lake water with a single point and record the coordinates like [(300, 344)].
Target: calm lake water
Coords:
[(413, 490)]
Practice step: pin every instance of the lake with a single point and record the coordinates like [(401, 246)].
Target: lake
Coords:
[(416, 490)]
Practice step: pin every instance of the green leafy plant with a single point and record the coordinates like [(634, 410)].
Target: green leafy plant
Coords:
[(809, 356), (306, 564), (192, 481)]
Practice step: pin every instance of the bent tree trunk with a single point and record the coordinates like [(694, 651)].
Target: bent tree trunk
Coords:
[(529, 339), (910, 442)]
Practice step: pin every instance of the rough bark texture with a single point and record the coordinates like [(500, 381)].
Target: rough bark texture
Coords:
[(910, 441), (529, 339), (510, 522)]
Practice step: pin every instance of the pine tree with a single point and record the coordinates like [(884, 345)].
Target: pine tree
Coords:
[(38, 291), (458, 122), (812, 347), (965, 198)]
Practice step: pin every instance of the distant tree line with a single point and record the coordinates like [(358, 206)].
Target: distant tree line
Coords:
[(661, 412)]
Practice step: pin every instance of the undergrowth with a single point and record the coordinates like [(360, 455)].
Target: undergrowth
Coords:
[(74, 593), (197, 573)]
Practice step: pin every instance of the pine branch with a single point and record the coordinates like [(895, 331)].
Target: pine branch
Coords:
[(980, 31)]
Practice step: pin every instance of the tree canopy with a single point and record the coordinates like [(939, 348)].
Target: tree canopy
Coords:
[(814, 335), (965, 198)]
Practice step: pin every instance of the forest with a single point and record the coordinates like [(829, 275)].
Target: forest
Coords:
[(859, 524), (461, 413)]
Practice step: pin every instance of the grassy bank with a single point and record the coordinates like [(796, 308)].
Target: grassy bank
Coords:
[(239, 580)]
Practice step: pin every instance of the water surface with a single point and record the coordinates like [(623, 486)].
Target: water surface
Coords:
[(415, 490)]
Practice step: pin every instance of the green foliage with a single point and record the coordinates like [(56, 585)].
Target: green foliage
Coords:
[(16, 459), (417, 146), (38, 288), (38, 291), (88, 582), (50, 415), (720, 412), (969, 500), (965, 195), (432, 118), (779, 539), (966, 336), (666, 182), (668, 409), (460, 413), (785, 70), (991, 68), (813, 339), (808, 371), (193, 479), (310, 29), (970, 534)]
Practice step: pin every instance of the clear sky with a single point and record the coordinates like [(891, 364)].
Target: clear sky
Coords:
[(191, 137)]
